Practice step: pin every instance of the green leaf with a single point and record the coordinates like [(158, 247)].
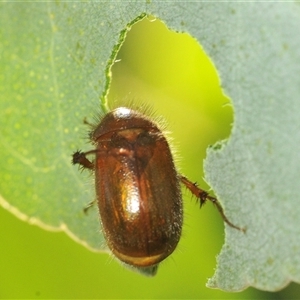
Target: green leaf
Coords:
[(52, 79), (256, 172), (55, 60)]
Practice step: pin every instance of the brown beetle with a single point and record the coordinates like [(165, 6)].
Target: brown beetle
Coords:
[(138, 188)]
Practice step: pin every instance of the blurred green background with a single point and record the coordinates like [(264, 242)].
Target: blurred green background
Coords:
[(169, 72)]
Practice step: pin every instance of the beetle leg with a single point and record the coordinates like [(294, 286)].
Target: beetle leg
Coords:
[(91, 204), (79, 157), (204, 196)]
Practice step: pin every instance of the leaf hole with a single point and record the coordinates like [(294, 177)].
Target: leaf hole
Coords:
[(171, 72)]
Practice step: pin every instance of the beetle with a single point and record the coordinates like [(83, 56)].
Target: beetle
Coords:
[(138, 188)]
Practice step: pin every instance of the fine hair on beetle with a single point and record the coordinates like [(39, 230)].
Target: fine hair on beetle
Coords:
[(138, 186), (145, 109)]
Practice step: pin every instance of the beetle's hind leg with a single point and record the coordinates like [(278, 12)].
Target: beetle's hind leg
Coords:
[(203, 196)]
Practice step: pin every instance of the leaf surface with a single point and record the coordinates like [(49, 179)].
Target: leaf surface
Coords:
[(55, 60)]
